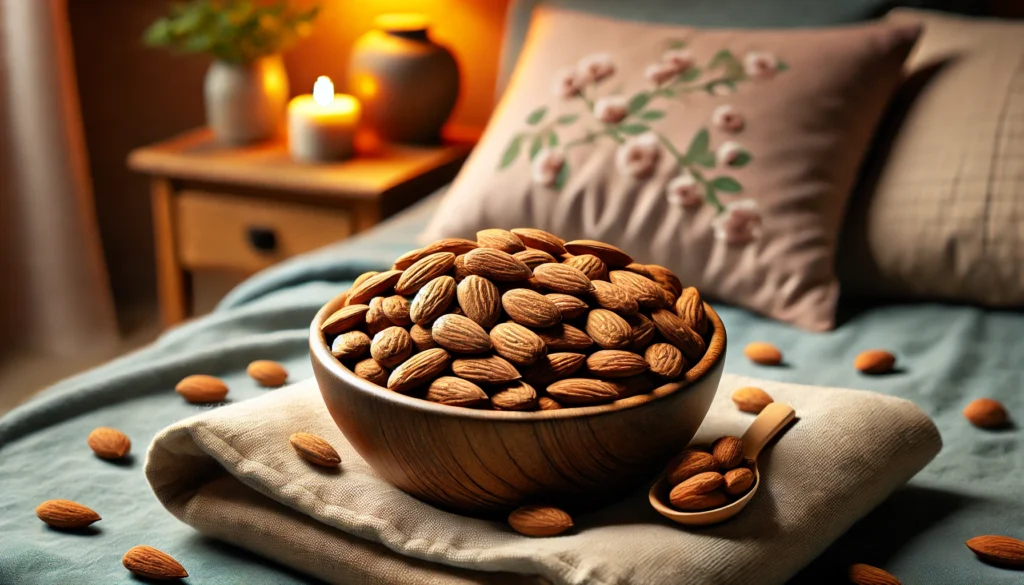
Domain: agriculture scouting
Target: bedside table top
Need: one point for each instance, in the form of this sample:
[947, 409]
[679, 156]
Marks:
[197, 156]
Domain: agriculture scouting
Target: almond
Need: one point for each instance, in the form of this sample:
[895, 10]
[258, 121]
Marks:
[314, 449]
[422, 339]
[541, 240]
[569, 306]
[548, 403]
[608, 329]
[376, 319]
[489, 370]
[516, 396]
[539, 521]
[370, 370]
[553, 367]
[763, 353]
[374, 286]
[391, 346]
[456, 246]
[609, 254]
[665, 360]
[874, 361]
[363, 278]
[690, 308]
[614, 298]
[690, 502]
[423, 271]
[267, 373]
[460, 334]
[986, 413]
[500, 239]
[751, 399]
[396, 309]
[418, 370]
[738, 481]
[701, 483]
[202, 389]
[517, 344]
[679, 334]
[688, 464]
[530, 308]
[562, 278]
[66, 514]
[640, 269]
[496, 265]
[590, 265]
[432, 300]
[644, 290]
[534, 258]
[150, 563]
[459, 270]
[344, 319]
[480, 300]
[633, 385]
[728, 452]
[582, 391]
[564, 337]
[643, 331]
[861, 574]
[109, 443]
[456, 392]
[1002, 551]
[615, 363]
[666, 279]
[351, 345]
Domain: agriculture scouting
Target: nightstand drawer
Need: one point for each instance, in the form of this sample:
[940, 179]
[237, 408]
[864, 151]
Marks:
[248, 233]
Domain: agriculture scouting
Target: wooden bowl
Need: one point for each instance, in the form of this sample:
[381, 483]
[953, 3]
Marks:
[486, 462]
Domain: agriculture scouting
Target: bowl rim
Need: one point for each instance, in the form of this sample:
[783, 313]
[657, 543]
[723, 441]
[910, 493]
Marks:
[320, 351]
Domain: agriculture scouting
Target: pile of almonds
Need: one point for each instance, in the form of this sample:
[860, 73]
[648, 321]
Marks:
[519, 320]
[707, 477]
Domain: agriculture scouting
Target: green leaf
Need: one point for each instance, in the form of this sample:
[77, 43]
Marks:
[552, 139]
[511, 152]
[562, 177]
[652, 115]
[727, 184]
[698, 145]
[536, 145]
[566, 119]
[726, 61]
[690, 74]
[782, 66]
[633, 129]
[676, 44]
[537, 115]
[637, 102]
[706, 160]
[720, 82]
[741, 160]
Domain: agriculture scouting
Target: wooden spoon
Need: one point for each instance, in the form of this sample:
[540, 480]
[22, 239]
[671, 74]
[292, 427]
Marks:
[772, 419]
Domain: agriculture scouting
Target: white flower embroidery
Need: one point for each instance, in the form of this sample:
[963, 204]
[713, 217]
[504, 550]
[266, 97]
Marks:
[740, 223]
[685, 191]
[611, 109]
[728, 152]
[596, 67]
[660, 73]
[638, 156]
[546, 166]
[679, 59]
[567, 83]
[728, 118]
[760, 64]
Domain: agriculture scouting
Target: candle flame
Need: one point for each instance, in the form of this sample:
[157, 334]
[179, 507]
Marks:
[323, 90]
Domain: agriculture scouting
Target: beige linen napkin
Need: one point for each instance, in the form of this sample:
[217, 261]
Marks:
[231, 474]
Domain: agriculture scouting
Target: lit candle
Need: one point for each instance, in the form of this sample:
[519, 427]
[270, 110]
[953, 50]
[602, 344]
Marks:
[322, 126]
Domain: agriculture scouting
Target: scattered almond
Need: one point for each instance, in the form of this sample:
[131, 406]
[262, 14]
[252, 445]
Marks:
[500, 239]
[109, 443]
[665, 360]
[391, 347]
[496, 265]
[738, 481]
[541, 240]
[1001, 551]
[751, 399]
[615, 363]
[515, 396]
[688, 464]
[370, 370]
[728, 452]
[351, 345]
[874, 361]
[590, 265]
[569, 306]
[373, 286]
[418, 370]
[150, 563]
[582, 391]
[763, 353]
[517, 344]
[530, 308]
[986, 413]
[608, 329]
[608, 253]
[314, 449]
[344, 319]
[456, 392]
[66, 514]
[202, 389]
[432, 300]
[861, 574]
[423, 271]
[267, 373]
[488, 370]
[539, 521]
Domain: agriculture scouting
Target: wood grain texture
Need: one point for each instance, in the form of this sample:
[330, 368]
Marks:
[173, 282]
[489, 462]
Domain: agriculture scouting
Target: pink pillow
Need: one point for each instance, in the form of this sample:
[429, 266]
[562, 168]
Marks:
[725, 155]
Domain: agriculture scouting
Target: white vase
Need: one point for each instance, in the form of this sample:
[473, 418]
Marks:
[245, 102]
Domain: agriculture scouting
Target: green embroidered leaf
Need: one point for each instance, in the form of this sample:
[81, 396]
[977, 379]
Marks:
[720, 83]
[637, 102]
[782, 66]
[567, 119]
[537, 115]
[552, 139]
[741, 160]
[633, 129]
[536, 145]
[728, 63]
[676, 44]
[706, 160]
[698, 145]
[652, 115]
[511, 152]
[727, 184]
[562, 177]
[690, 74]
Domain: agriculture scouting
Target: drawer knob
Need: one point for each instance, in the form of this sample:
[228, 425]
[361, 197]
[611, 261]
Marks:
[263, 239]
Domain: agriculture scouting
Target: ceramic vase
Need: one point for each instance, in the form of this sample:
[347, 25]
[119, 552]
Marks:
[245, 102]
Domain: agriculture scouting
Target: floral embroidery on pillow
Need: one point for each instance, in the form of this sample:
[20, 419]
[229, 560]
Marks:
[628, 122]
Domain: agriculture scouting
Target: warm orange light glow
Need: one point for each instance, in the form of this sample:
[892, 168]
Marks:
[323, 90]
[342, 109]
[365, 87]
[402, 22]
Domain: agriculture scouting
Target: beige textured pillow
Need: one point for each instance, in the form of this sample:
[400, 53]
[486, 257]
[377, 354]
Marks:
[726, 155]
[942, 212]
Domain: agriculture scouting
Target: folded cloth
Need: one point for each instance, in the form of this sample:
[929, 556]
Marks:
[231, 474]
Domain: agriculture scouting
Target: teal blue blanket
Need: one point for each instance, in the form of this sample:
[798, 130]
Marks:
[947, 356]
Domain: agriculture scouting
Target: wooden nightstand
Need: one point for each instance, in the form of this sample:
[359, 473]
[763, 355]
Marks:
[243, 209]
